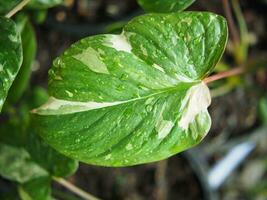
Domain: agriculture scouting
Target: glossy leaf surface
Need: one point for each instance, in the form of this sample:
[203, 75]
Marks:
[10, 56]
[165, 6]
[118, 100]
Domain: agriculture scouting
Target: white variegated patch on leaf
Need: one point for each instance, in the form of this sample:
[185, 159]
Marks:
[137, 97]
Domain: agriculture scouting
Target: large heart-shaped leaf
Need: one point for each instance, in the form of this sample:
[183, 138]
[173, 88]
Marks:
[10, 56]
[118, 100]
[165, 6]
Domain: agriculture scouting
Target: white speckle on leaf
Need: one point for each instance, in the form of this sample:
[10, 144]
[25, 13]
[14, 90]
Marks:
[174, 40]
[183, 78]
[13, 37]
[70, 94]
[129, 147]
[164, 128]
[172, 5]
[187, 20]
[107, 157]
[91, 58]
[197, 100]
[59, 78]
[158, 67]
[149, 100]
[119, 42]
[10, 75]
[143, 49]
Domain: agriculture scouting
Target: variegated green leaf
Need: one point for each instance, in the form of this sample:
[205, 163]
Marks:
[29, 50]
[10, 56]
[137, 97]
[165, 6]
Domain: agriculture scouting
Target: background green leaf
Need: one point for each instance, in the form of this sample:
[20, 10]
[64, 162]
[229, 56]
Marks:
[29, 47]
[30, 161]
[164, 6]
[7, 5]
[36, 189]
[118, 100]
[44, 4]
[16, 165]
[10, 56]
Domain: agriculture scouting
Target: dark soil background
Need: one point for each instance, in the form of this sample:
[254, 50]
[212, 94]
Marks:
[234, 114]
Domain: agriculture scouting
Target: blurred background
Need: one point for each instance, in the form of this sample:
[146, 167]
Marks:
[231, 162]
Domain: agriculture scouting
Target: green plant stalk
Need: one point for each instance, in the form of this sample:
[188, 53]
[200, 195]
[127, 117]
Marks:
[241, 50]
[75, 189]
[17, 8]
[232, 27]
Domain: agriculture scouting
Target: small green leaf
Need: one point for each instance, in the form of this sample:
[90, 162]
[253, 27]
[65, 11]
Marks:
[29, 50]
[36, 189]
[10, 56]
[118, 100]
[165, 6]
[16, 165]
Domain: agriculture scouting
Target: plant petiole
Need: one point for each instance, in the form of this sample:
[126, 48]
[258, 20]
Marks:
[233, 72]
[75, 189]
[17, 8]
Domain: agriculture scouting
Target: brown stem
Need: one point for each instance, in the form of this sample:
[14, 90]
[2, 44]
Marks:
[232, 72]
[229, 16]
[160, 176]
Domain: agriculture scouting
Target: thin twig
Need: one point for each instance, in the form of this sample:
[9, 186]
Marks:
[75, 189]
[233, 72]
[244, 43]
[17, 8]
[232, 27]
